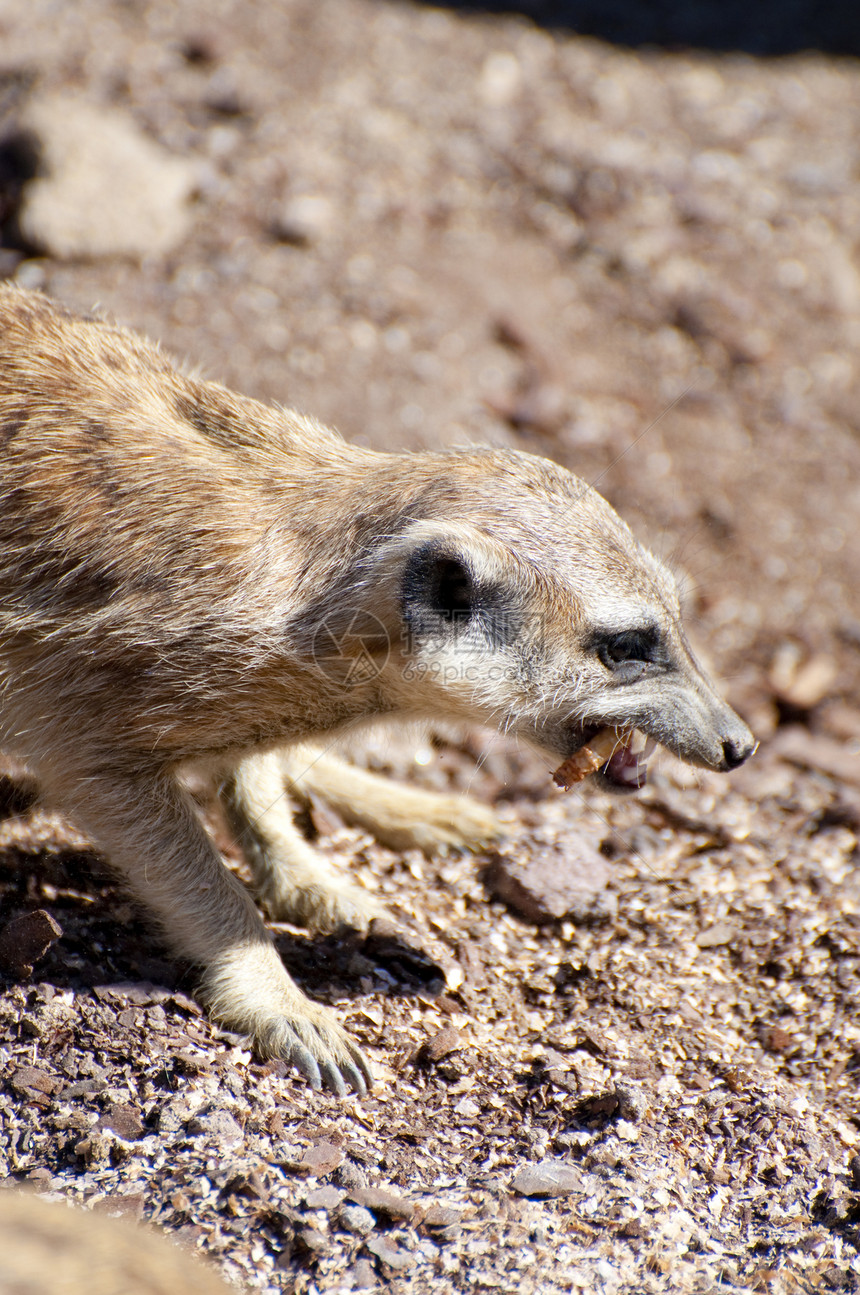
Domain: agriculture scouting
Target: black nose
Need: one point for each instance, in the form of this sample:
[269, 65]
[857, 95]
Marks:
[734, 752]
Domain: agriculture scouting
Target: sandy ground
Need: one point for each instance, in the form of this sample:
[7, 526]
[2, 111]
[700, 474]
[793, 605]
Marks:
[427, 227]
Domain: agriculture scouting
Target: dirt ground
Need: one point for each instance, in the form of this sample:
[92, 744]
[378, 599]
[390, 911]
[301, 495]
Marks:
[427, 227]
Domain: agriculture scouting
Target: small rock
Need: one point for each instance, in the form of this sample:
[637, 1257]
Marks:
[25, 939]
[548, 1178]
[442, 1044]
[103, 187]
[312, 1241]
[363, 1275]
[713, 936]
[217, 1125]
[31, 274]
[29, 1081]
[323, 1198]
[349, 1175]
[801, 684]
[84, 1088]
[441, 1218]
[355, 1218]
[389, 1254]
[552, 881]
[382, 1202]
[320, 1158]
[632, 1102]
[124, 1121]
[303, 219]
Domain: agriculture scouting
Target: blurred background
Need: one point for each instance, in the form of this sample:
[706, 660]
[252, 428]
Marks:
[429, 225]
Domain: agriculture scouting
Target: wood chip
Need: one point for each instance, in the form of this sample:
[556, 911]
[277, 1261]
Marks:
[25, 939]
[442, 1044]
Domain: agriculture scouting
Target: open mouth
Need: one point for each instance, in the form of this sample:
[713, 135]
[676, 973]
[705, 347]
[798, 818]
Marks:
[619, 758]
[627, 767]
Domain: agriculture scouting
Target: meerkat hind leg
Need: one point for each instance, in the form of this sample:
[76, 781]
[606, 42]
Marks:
[295, 882]
[398, 816]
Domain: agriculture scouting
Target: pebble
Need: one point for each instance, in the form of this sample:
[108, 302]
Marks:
[363, 1275]
[218, 1126]
[323, 1198]
[126, 1123]
[553, 881]
[321, 1158]
[349, 1175]
[442, 1044]
[547, 1178]
[103, 187]
[355, 1218]
[303, 219]
[25, 939]
[312, 1240]
[391, 1255]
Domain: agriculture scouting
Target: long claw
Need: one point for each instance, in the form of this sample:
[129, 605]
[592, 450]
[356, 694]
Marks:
[306, 1064]
[332, 1078]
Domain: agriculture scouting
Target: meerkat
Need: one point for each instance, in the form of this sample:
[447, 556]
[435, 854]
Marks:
[49, 1246]
[191, 578]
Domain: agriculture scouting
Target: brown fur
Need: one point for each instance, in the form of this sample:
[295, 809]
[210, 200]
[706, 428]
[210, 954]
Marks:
[46, 1246]
[170, 555]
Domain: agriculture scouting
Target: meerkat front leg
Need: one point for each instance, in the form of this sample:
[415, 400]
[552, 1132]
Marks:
[150, 832]
[292, 879]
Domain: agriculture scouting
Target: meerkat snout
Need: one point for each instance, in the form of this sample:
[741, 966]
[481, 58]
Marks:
[188, 576]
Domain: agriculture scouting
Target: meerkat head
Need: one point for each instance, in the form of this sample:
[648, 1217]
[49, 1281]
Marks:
[527, 603]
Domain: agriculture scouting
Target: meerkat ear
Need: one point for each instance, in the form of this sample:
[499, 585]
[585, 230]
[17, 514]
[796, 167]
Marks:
[438, 582]
[455, 583]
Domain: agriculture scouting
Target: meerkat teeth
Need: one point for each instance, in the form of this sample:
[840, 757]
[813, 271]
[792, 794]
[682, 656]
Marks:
[588, 759]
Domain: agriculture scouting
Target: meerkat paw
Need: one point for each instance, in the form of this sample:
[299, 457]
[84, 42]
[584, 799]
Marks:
[293, 881]
[319, 1049]
[323, 904]
[248, 990]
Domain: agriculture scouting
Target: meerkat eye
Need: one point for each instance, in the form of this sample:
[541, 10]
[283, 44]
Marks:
[637, 646]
